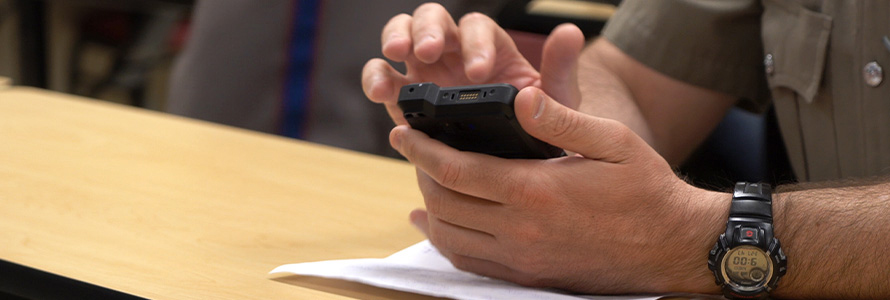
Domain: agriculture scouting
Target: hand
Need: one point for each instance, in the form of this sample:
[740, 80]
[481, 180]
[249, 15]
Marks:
[612, 219]
[435, 49]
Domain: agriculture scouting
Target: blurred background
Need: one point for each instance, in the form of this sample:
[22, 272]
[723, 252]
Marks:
[119, 51]
[289, 67]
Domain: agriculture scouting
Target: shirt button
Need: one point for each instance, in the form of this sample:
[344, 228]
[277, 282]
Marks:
[769, 64]
[873, 74]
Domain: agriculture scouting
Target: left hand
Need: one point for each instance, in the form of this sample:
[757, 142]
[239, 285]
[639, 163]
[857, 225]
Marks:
[474, 51]
[612, 219]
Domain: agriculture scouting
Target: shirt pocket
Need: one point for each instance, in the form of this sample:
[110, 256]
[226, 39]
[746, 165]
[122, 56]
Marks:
[795, 41]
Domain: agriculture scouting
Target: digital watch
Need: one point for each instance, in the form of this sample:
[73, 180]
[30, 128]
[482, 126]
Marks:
[747, 260]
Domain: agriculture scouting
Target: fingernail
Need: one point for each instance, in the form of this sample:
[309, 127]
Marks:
[541, 104]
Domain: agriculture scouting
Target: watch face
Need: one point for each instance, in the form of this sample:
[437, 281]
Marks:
[747, 266]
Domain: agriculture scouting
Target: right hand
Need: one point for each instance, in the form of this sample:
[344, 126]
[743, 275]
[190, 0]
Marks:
[475, 51]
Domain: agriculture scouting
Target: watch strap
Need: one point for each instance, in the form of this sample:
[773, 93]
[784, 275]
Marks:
[750, 215]
[752, 201]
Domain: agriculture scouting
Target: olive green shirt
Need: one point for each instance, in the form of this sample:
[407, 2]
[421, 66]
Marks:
[817, 61]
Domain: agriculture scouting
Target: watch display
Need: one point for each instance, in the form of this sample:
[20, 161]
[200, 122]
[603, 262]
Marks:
[747, 266]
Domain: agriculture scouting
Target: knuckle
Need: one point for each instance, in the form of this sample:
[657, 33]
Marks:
[530, 193]
[450, 173]
[525, 259]
[372, 75]
[460, 262]
[475, 45]
[429, 7]
[620, 132]
[529, 264]
[435, 204]
[373, 67]
[445, 241]
[397, 22]
[428, 19]
[523, 194]
[564, 125]
[368, 74]
[473, 17]
[529, 236]
[407, 148]
[401, 17]
[622, 136]
[437, 238]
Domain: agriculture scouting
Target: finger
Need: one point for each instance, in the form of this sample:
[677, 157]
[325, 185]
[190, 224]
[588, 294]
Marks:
[462, 240]
[483, 267]
[595, 138]
[460, 209]
[470, 173]
[433, 32]
[477, 40]
[381, 82]
[396, 113]
[486, 268]
[419, 218]
[449, 238]
[559, 61]
[395, 40]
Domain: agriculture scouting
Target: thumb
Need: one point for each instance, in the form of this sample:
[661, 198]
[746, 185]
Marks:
[559, 62]
[592, 137]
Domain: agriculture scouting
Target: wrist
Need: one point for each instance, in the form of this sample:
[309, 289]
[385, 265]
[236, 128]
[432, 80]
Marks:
[704, 220]
[780, 228]
[715, 211]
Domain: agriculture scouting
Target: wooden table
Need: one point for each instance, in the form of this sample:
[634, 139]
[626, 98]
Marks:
[160, 206]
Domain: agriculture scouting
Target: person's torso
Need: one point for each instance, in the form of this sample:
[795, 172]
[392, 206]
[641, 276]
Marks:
[824, 62]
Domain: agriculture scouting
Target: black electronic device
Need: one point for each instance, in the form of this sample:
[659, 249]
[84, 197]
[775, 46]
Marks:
[747, 260]
[477, 118]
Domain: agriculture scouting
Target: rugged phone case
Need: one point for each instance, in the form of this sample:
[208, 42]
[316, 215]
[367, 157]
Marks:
[476, 118]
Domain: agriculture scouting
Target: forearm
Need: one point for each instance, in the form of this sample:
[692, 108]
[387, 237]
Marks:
[672, 116]
[836, 240]
[604, 94]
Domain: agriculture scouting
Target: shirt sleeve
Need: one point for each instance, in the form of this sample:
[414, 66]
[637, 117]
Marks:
[711, 44]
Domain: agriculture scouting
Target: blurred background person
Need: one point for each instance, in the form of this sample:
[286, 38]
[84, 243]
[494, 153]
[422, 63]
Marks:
[290, 67]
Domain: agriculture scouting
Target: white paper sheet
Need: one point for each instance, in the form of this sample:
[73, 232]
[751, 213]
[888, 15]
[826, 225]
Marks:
[423, 270]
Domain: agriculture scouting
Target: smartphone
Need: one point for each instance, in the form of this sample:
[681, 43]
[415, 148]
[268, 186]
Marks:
[477, 118]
